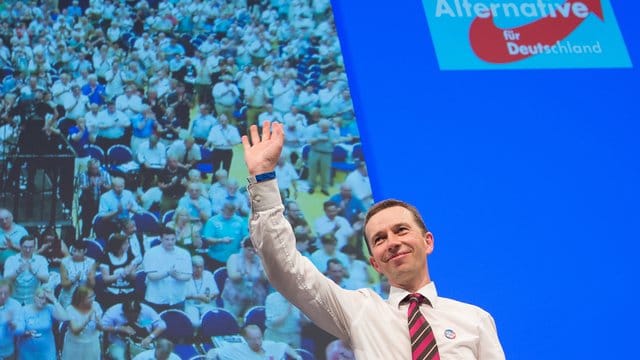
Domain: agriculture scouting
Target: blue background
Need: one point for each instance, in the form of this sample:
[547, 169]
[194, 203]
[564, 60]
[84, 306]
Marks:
[529, 179]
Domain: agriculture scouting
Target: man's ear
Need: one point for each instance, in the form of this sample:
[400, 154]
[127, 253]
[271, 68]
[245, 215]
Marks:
[374, 263]
[428, 238]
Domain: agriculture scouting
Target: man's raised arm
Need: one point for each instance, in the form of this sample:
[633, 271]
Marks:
[293, 275]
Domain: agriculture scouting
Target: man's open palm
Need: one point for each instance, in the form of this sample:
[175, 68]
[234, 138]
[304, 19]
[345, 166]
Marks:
[262, 153]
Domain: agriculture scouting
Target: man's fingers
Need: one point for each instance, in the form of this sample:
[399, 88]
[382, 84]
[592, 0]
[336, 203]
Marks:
[266, 130]
[278, 132]
[255, 138]
[245, 143]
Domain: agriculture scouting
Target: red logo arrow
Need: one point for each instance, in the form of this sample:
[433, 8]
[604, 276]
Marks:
[489, 42]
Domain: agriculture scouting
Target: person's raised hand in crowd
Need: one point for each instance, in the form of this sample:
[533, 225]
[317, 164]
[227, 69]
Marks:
[261, 152]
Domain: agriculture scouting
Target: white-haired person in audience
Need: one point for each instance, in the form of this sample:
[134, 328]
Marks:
[162, 351]
[187, 230]
[283, 321]
[198, 205]
[10, 235]
[253, 348]
[201, 291]
[118, 203]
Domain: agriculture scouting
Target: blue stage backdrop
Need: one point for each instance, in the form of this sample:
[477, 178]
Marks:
[529, 178]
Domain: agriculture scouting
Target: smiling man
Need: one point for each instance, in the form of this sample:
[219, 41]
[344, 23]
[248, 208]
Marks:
[413, 323]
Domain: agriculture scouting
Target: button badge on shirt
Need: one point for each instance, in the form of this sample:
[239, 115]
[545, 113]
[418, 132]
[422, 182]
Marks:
[450, 334]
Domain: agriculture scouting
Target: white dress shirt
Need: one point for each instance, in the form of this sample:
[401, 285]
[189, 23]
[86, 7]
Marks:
[373, 327]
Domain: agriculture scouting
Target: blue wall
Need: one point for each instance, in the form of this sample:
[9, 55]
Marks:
[530, 180]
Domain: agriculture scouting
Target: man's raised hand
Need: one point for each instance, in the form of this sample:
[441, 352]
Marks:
[261, 154]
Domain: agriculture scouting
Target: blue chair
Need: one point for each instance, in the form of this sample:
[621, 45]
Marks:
[154, 242]
[147, 223]
[205, 165]
[180, 332]
[64, 124]
[94, 250]
[255, 316]
[305, 354]
[119, 154]
[140, 285]
[103, 227]
[95, 152]
[340, 161]
[100, 289]
[357, 153]
[168, 216]
[220, 276]
[217, 322]
[305, 152]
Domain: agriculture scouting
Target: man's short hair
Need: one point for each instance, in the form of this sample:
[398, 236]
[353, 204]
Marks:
[328, 239]
[389, 203]
[328, 203]
[165, 230]
[26, 238]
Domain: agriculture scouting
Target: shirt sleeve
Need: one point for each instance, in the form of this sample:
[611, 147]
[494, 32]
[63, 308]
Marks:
[294, 276]
[489, 347]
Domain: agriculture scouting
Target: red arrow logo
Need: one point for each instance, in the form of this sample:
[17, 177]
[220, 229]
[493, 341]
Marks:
[490, 42]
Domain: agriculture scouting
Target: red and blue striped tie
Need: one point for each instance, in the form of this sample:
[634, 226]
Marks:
[423, 343]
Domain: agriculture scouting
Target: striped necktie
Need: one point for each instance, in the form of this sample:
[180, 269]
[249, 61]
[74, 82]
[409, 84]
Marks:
[423, 342]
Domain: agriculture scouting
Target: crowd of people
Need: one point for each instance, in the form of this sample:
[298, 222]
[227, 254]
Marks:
[175, 84]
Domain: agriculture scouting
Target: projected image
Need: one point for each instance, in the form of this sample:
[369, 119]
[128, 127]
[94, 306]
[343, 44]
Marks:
[123, 206]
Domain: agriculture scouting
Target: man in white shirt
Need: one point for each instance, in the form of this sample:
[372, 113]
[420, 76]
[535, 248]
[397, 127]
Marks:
[27, 270]
[112, 125]
[225, 94]
[75, 104]
[162, 351]
[269, 115]
[222, 138]
[254, 348]
[168, 269]
[10, 235]
[332, 223]
[130, 103]
[152, 157]
[399, 244]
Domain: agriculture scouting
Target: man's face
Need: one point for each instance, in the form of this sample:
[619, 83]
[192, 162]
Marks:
[26, 249]
[399, 246]
[118, 187]
[331, 211]
[294, 211]
[335, 272]
[168, 241]
[254, 339]
[197, 270]
[131, 228]
[6, 220]
[77, 254]
[194, 192]
[228, 211]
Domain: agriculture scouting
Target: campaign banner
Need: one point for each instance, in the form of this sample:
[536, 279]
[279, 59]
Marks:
[525, 34]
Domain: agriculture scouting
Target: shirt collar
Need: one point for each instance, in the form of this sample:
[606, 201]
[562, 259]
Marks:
[396, 295]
